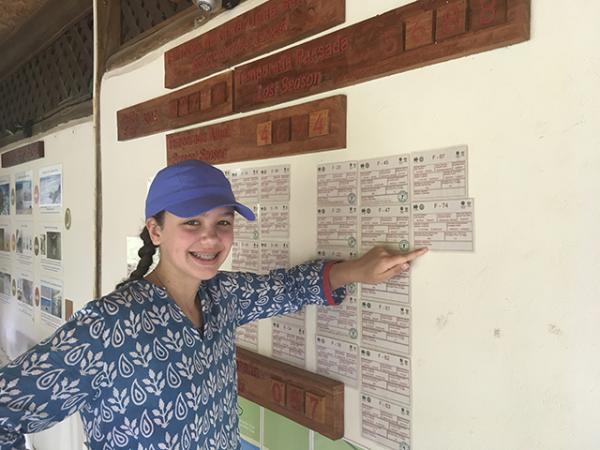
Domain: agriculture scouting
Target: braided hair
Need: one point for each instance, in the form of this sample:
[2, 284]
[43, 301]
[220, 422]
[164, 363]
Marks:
[146, 253]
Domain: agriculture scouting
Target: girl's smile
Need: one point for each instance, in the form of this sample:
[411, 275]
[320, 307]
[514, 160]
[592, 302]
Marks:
[193, 247]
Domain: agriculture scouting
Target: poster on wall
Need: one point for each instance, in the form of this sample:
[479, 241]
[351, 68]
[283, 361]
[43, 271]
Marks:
[50, 248]
[5, 284]
[24, 193]
[25, 293]
[5, 237]
[24, 243]
[51, 302]
[5, 195]
[50, 189]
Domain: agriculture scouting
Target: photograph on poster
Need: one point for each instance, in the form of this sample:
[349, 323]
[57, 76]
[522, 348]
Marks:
[24, 244]
[5, 284]
[51, 188]
[53, 245]
[23, 196]
[4, 199]
[4, 239]
[25, 291]
[51, 301]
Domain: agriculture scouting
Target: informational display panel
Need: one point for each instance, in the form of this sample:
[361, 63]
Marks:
[359, 204]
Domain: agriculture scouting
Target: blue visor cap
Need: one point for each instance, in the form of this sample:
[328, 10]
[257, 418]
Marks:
[190, 188]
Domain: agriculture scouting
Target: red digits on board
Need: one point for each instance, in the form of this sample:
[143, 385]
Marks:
[488, 11]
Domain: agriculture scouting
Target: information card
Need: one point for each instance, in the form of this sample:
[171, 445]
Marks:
[337, 184]
[385, 422]
[384, 181]
[444, 225]
[439, 174]
[337, 359]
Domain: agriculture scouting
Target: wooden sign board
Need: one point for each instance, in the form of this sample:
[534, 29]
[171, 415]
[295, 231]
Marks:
[315, 126]
[311, 400]
[23, 154]
[415, 35]
[200, 102]
[269, 26]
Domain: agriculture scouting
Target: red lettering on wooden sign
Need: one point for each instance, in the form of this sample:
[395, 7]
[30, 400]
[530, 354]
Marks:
[264, 133]
[278, 392]
[399, 40]
[270, 25]
[315, 407]
[202, 101]
[487, 13]
[318, 123]
[451, 20]
[295, 398]
[419, 30]
[276, 133]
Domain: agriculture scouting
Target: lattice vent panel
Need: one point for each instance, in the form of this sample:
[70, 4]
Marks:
[58, 76]
[138, 16]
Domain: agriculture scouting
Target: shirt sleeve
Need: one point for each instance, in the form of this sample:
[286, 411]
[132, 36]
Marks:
[52, 380]
[281, 291]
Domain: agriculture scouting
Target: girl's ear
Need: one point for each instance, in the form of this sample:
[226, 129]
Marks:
[154, 230]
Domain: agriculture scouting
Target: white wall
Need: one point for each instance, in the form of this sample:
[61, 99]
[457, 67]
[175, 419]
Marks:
[72, 146]
[504, 339]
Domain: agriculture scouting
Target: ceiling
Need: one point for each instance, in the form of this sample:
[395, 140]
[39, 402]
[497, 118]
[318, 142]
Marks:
[14, 15]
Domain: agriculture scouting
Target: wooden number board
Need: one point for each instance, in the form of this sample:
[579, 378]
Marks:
[415, 35]
[309, 127]
[312, 400]
[200, 102]
[271, 25]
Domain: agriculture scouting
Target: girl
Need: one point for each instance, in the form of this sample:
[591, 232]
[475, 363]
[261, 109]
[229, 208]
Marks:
[152, 364]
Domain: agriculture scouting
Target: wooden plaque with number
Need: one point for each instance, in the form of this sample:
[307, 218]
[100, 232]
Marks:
[267, 27]
[309, 399]
[200, 102]
[309, 127]
[421, 33]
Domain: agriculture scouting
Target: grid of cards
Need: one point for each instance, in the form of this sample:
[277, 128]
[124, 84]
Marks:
[401, 202]
[263, 245]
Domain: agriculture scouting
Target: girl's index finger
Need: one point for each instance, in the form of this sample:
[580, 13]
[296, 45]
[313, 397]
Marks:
[410, 256]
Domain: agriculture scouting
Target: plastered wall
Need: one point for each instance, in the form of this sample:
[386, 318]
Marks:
[72, 147]
[504, 340]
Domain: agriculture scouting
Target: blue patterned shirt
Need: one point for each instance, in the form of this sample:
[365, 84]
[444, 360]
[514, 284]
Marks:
[139, 372]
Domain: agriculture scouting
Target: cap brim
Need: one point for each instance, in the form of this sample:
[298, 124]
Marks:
[194, 207]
